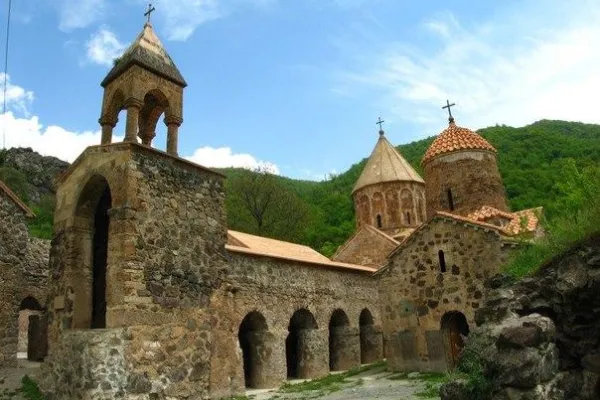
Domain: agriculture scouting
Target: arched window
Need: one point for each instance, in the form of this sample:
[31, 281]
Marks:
[450, 200]
[408, 218]
[442, 261]
[379, 221]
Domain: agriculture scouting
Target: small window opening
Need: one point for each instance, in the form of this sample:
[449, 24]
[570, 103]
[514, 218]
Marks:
[442, 261]
[450, 200]
[378, 221]
[408, 218]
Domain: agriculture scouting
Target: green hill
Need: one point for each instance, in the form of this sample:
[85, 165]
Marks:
[531, 160]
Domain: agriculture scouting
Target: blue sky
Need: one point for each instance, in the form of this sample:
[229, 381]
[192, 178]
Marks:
[299, 84]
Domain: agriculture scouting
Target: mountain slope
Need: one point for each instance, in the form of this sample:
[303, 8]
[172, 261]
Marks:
[531, 161]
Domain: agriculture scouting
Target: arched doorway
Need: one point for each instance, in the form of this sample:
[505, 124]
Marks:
[338, 330]
[301, 330]
[252, 336]
[31, 342]
[100, 254]
[370, 340]
[91, 242]
[454, 328]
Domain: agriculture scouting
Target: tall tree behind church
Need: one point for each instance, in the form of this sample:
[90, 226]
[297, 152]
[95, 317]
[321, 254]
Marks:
[259, 203]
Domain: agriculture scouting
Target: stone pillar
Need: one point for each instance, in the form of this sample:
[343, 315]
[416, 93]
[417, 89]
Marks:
[133, 113]
[371, 344]
[344, 348]
[107, 129]
[173, 122]
[312, 354]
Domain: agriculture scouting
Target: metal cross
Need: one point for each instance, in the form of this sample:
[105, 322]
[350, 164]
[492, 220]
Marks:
[147, 13]
[448, 105]
[380, 123]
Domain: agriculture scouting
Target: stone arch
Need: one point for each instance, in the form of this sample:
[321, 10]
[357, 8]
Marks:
[370, 339]
[454, 328]
[155, 104]
[406, 199]
[364, 205]
[392, 206]
[339, 353]
[32, 340]
[299, 352]
[254, 340]
[115, 104]
[377, 206]
[90, 283]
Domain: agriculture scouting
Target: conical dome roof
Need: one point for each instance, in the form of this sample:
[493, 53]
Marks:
[386, 165]
[148, 52]
[455, 138]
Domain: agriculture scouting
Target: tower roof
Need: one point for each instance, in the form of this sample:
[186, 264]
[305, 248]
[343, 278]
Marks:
[455, 138]
[148, 52]
[386, 164]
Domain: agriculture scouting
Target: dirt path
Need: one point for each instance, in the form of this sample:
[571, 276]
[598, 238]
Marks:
[371, 384]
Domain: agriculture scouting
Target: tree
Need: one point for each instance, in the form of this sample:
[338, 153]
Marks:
[259, 203]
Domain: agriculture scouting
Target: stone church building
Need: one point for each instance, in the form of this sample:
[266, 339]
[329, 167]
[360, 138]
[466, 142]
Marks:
[148, 295]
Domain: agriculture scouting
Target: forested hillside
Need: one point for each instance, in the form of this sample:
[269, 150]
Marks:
[534, 160]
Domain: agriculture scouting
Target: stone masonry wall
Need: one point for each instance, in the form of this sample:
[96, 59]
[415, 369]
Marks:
[472, 176]
[367, 248]
[277, 289]
[13, 247]
[165, 258]
[391, 201]
[415, 294]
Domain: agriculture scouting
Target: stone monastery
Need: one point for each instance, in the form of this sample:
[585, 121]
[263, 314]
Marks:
[148, 295]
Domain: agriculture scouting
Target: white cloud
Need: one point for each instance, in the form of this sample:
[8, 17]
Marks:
[17, 98]
[509, 70]
[75, 14]
[103, 47]
[223, 157]
[47, 140]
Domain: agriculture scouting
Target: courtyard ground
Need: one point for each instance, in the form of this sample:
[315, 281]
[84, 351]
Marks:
[372, 382]
[369, 382]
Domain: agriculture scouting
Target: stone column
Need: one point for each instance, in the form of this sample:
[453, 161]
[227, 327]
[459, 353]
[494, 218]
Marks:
[107, 129]
[133, 113]
[173, 122]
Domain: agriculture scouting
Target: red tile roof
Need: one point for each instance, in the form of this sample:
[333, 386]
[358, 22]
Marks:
[455, 138]
[246, 243]
[524, 221]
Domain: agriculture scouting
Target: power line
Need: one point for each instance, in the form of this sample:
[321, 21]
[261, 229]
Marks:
[5, 75]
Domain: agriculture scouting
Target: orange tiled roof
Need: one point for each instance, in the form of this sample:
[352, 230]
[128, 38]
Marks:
[456, 138]
[261, 246]
[11, 195]
[523, 221]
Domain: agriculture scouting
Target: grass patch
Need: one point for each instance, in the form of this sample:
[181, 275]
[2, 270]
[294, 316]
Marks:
[30, 389]
[433, 381]
[332, 382]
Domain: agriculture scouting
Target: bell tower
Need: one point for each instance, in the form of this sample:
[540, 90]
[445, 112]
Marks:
[145, 82]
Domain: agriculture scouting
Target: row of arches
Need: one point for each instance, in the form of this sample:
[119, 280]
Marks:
[391, 208]
[256, 343]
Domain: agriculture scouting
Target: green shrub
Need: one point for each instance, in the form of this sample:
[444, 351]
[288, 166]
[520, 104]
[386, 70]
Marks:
[30, 389]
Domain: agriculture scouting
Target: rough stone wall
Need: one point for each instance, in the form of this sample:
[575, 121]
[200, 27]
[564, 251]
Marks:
[473, 178]
[543, 332]
[165, 258]
[391, 201]
[415, 294]
[13, 247]
[366, 248]
[277, 289]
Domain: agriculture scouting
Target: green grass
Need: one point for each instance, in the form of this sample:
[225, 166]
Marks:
[579, 221]
[30, 389]
[332, 382]
[432, 381]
